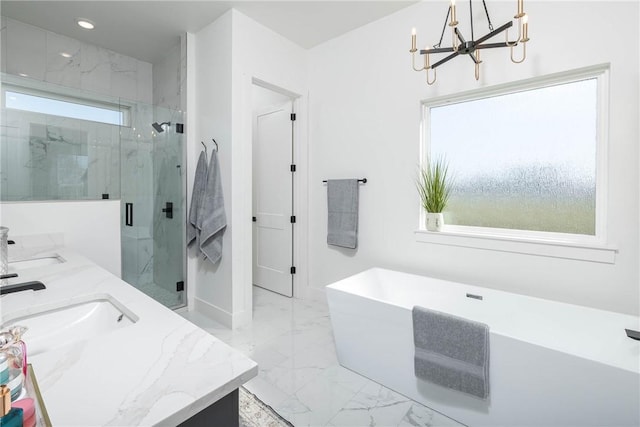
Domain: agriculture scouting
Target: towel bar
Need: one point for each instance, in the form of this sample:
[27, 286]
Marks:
[363, 180]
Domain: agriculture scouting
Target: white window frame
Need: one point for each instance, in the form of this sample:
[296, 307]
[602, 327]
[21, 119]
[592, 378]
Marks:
[560, 245]
[120, 108]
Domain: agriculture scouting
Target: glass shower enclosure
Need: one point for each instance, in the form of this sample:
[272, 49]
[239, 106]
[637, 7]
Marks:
[153, 199]
[59, 143]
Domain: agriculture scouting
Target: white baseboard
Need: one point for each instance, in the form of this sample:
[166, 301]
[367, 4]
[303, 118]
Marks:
[213, 312]
[242, 318]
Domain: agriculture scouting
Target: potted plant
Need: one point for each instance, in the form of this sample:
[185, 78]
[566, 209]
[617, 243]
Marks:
[434, 186]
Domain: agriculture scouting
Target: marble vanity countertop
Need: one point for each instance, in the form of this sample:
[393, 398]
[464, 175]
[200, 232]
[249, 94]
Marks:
[160, 370]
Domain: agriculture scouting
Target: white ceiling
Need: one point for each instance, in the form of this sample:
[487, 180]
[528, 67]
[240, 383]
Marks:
[145, 29]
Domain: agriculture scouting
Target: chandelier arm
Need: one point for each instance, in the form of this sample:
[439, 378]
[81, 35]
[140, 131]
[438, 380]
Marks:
[524, 54]
[473, 58]
[492, 45]
[494, 32]
[459, 34]
[438, 50]
[442, 61]
[513, 43]
[413, 63]
[431, 81]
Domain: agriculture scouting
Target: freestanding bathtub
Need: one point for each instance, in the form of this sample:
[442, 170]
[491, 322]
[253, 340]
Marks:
[551, 364]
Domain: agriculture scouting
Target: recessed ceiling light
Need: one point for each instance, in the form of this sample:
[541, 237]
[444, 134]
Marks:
[85, 23]
[66, 54]
[23, 75]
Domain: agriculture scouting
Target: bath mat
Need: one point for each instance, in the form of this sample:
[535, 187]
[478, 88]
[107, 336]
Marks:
[255, 413]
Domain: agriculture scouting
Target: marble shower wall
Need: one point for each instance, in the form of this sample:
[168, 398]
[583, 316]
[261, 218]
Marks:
[169, 75]
[36, 52]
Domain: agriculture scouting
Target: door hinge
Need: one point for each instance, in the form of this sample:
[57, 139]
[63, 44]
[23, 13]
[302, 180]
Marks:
[293, 117]
[293, 270]
[293, 168]
[180, 286]
[293, 219]
[254, 219]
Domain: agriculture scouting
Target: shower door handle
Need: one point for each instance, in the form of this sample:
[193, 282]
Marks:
[128, 214]
[168, 209]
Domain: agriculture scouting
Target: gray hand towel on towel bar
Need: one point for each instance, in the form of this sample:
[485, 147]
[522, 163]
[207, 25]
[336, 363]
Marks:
[199, 185]
[212, 219]
[342, 204]
[451, 351]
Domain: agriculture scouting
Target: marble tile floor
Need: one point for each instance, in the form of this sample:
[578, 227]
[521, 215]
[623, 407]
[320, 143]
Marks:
[299, 374]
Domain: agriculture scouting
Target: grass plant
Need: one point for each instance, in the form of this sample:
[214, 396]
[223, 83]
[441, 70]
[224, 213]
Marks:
[435, 185]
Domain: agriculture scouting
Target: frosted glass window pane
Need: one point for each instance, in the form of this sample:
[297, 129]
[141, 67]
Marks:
[524, 160]
[56, 107]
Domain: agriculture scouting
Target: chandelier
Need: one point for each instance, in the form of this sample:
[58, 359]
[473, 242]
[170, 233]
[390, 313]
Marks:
[461, 46]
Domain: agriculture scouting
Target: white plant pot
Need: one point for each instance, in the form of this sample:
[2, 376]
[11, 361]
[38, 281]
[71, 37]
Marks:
[434, 221]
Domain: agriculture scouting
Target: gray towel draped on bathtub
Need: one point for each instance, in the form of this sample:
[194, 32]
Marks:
[451, 351]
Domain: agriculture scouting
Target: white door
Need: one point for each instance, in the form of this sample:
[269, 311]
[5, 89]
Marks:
[273, 199]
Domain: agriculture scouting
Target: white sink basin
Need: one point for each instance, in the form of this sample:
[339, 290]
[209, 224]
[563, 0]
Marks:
[58, 327]
[35, 262]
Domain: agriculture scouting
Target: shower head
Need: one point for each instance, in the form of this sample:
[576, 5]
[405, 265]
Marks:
[158, 127]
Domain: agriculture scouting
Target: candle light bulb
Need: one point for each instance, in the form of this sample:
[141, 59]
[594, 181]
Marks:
[413, 40]
[525, 28]
[454, 20]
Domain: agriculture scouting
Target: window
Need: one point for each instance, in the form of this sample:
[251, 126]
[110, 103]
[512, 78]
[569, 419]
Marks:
[528, 158]
[46, 103]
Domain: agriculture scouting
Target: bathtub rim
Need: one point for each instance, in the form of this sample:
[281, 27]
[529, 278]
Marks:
[629, 363]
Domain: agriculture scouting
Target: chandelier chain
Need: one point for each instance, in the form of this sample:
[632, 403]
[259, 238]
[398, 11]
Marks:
[486, 11]
[444, 27]
[471, 17]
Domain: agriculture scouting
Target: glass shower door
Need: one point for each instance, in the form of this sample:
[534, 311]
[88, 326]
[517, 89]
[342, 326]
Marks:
[169, 208]
[153, 199]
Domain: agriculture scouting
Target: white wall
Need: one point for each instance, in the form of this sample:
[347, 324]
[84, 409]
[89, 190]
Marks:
[209, 98]
[91, 228]
[261, 97]
[261, 54]
[229, 54]
[364, 122]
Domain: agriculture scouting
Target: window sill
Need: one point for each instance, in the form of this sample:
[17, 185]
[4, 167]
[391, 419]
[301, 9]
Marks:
[528, 246]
